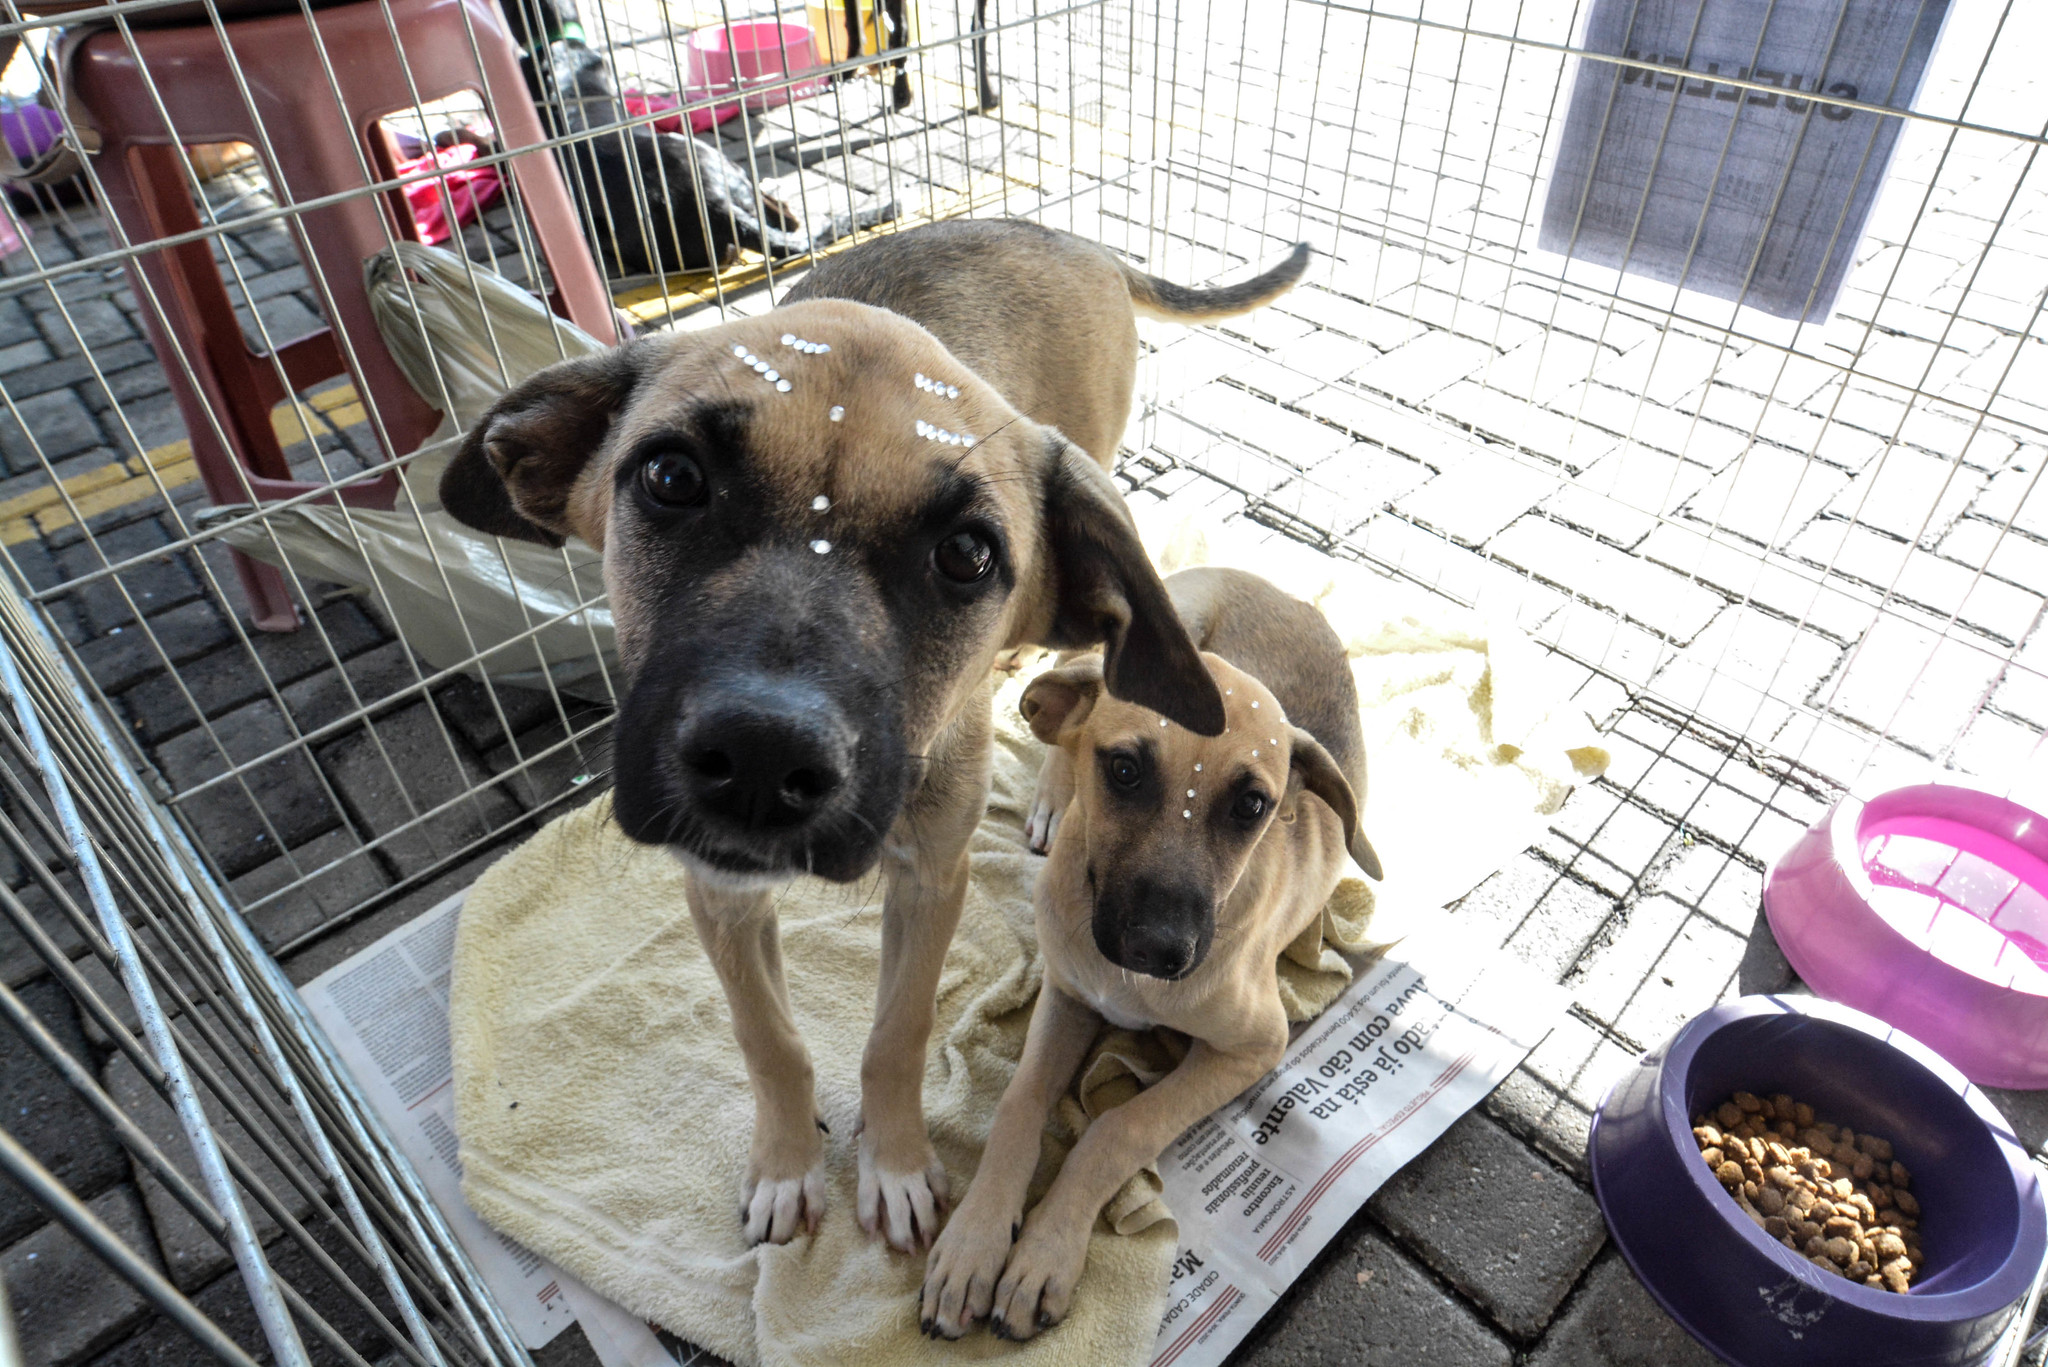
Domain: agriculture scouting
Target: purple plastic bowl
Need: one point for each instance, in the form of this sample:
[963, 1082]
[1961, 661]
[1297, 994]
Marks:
[1928, 907]
[1746, 1296]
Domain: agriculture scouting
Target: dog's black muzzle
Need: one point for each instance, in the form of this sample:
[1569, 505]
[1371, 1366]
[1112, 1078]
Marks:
[1161, 930]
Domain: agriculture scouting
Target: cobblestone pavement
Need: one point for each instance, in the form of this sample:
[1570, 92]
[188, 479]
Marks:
[1773, 572]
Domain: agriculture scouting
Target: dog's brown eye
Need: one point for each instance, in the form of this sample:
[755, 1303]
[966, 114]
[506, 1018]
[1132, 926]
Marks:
[964, 557]
[673, 480]
[1123, 771]
[1249, 806]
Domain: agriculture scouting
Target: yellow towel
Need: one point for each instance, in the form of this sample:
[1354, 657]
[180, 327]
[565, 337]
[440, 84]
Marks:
[604, 1111]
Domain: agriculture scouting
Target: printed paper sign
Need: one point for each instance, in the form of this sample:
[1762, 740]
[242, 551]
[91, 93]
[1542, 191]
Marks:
[1668, 170]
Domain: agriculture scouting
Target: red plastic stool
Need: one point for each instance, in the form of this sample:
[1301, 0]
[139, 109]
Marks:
[316, 148]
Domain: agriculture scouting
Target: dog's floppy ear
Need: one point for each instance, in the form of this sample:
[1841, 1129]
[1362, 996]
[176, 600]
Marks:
[516, 467]
[1106, 591]
[1321, 776]
[1062, 698]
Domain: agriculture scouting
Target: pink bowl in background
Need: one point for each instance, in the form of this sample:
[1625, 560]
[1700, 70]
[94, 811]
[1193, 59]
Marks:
[1927, 907]
[736, 58]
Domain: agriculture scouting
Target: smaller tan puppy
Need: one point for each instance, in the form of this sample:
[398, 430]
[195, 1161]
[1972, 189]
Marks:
[1180, 868]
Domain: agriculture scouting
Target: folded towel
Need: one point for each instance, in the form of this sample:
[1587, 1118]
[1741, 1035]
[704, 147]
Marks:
[604, 1111]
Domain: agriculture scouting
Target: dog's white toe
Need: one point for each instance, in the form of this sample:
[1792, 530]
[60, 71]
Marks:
[960, 1276]
[776, 1210]
[1037, 1285]
[903, 1207]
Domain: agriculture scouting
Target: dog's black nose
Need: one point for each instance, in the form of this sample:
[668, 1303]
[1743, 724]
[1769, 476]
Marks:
[1157, 951]
[766, 757]
[1160, 928]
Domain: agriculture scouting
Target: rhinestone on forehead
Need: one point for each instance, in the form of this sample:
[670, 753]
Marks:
[838, 413]
[796, 343]
[820, 504]
[821, 546]
[939, 434]
[762, 368]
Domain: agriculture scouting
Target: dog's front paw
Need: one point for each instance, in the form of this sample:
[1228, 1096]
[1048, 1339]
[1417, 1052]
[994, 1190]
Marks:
[960, 1276]
[902, 1191]
[776, 1209]
[784, 1194]
[1037, 1284]
[1055, 791]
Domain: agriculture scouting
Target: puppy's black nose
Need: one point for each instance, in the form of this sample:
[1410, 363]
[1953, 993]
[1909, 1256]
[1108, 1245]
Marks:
[765, 757]
[1157, 951]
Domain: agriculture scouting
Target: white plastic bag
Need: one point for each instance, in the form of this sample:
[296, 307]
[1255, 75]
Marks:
[515, 611]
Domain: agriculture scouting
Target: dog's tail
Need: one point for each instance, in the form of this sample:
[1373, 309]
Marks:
[1156, 298]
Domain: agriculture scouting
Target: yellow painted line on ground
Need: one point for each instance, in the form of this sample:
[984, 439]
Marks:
[119, 483]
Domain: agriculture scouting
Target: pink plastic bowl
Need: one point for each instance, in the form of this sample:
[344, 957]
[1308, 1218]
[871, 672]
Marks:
[1927, 907]
[736, 58]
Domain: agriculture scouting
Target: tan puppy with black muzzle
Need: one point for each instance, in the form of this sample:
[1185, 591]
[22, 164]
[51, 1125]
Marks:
[819, 528]
[1181, 867]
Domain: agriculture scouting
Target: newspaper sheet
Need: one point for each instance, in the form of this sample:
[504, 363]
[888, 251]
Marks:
[1756, 195]
[386, 1010]
[1258, 1187]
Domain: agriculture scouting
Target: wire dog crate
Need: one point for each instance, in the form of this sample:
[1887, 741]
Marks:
[1782, 559]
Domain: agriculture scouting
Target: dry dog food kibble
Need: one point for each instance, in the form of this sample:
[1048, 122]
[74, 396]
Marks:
[1837, 1197]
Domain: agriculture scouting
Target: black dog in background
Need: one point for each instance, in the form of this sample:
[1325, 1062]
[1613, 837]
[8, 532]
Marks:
[658, 202]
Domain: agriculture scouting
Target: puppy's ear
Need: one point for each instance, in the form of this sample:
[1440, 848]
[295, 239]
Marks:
[516, 467]
[1321, 776]
[1106, 592]
[1059, 700]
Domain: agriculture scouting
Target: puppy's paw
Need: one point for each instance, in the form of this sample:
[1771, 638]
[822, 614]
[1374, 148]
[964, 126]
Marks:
[777, 1209]
[1037, 1285]
[960, 1276]
[902, 1195]
[1055, 791]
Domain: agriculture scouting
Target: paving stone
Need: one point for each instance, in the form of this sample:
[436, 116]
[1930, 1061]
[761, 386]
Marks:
[1605, 642]
[68, 371]
[1363, 1304]
[1556, 433]
[1418, 369]
[2017, 495]
[61, 424]
[1437, 445]
[229, 678]
[310, 962]
[365, 777]
[226, 1302]
[46, 1116]
[551, 760]
[323, 697]
[473, 708]
[1495, 1221]
[1556, 928]
[2026, 1112]
[126, 656]
[23, 354]
[1905, 680]
[67, 1303]
[2012, 556]
[1612, 1322]
[1784, 587]
[1478, 497]
[1464, 575]
[1661, 965]
[225, 819]
[1745, 672]
[191, 1257]
[19, 962]
[1301, 442]
[326, 877]
[1910, 495]
[1623, 495]
[154, 585]
[90, 325]
[1767, 496]
[1662, 601]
